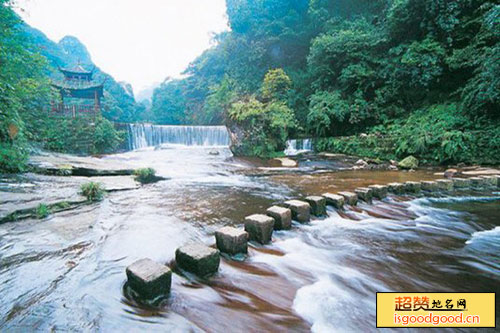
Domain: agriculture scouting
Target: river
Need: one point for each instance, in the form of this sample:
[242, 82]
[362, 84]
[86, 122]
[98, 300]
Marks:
[67, 272]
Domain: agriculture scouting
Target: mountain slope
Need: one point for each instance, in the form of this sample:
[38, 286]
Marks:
[118, 104]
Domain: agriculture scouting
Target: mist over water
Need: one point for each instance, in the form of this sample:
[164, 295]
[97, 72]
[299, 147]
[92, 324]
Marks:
[67, 272]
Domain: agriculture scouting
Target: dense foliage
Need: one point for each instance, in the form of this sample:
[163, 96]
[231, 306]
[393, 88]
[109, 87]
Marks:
[27, 62]
[424, 74]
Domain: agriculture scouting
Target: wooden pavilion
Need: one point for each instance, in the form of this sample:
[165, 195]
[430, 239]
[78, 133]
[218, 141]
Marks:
[78, 83]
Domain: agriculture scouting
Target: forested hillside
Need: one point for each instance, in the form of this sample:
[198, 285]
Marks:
[28, 61]
[421, 76]
[119, 100]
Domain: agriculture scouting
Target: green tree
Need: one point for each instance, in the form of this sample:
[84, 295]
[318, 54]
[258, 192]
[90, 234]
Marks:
[276, 85]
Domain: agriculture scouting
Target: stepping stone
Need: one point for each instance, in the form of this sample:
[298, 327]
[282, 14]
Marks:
[282, 217]
[365, 194]
[461, 182]
[334, 200]
[491, 180]
[349, 198]
[259, 227]
[396, 188]
[198, 259]
[379, 191]
[478, 182]
[413, 187]
[445, 184]
[231, 240]
[301, 210]
[429, 186]
[318, 205]
[149, 278]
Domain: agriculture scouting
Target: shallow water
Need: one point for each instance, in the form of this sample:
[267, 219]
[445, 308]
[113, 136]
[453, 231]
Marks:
[67, 272]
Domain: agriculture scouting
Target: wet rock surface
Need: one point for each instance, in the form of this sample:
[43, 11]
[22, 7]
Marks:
[66, 165]
[198, 259]
[149, 278]
[282, 217]
[260, 228]
[231, 240]
[301, 210]
[318, 205]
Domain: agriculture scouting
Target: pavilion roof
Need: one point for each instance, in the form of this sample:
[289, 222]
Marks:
[78, 69]
[79, 89]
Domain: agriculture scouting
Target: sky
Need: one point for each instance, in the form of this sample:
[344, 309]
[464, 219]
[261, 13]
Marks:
[140, 42]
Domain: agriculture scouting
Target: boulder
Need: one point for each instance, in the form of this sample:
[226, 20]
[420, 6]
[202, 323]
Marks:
[450, 173]
[364, 193]
[286, 162]
[149, 278]
[231, 240]
[392, 168]
[482, 172]
[361, 163]
[349, 198]
[396, 188]
[259, 227]
[461, 182]
[379, 191]
[301, 210]
[413, 187]
[318, 205]
[409, 162]
[282, 217]
[429, 186]
[445, 184]
[334, 200]
[213, 152]
[198, 259]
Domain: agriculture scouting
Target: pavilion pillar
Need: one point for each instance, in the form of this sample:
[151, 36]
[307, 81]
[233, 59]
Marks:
[97, 103]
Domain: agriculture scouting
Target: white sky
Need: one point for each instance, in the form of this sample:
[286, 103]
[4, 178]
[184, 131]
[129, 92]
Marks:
[140, 42]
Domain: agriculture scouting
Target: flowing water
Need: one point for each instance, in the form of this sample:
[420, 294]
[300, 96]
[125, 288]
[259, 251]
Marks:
[147, 135]
[297, 146]
[67, 272]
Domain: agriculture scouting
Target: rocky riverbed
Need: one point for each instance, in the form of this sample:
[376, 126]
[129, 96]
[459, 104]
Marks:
[67, 271]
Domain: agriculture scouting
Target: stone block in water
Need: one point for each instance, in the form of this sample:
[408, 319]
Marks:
[232, 240]
[429, 186]
[301, 210]
[364, 193]
[318, 205]
[259, 227]
[282, 217]
[445, 184]
[478, 182]
[350, 198]
[149, 278]
[491, 180]
[334, 200]
[396, 188]
[413, 187]
[379, 191]
[198, 259]
[461, 182]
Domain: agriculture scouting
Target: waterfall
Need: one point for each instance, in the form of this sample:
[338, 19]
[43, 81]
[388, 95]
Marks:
[294, 147]
[147, 135]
